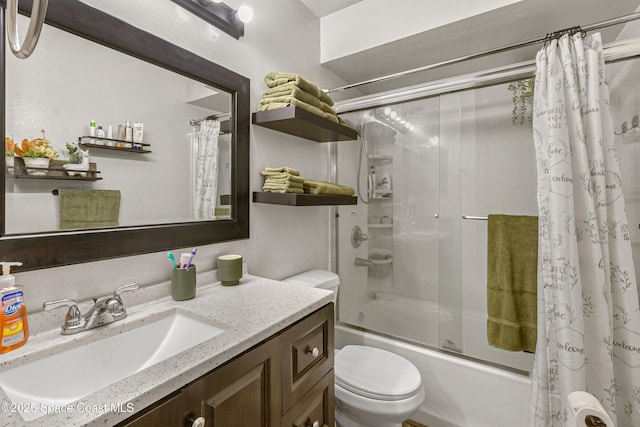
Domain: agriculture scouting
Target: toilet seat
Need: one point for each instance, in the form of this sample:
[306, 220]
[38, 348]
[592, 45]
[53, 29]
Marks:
[376, 374]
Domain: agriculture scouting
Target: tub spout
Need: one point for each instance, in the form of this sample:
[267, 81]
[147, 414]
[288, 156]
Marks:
[361, 262]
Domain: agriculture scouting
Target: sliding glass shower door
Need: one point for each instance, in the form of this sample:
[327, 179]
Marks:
[428, 173]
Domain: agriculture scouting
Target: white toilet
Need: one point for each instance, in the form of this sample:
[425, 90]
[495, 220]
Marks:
[373, 387]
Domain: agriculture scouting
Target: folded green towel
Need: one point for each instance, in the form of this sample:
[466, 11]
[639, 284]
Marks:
[281, 181]
[297, 103]
[282, 189]
[512, 267]
[283, 169]
[282, 176]
[89, 208]
[323, 187]
[282, 184]
[286, 92]
[279, 79]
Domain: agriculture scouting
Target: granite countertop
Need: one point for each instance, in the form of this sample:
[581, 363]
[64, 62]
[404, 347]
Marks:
[249, 313]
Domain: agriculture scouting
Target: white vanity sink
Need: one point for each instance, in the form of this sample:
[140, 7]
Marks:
[65, 377]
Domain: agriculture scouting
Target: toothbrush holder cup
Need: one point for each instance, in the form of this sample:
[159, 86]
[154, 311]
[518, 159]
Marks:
[183, 283]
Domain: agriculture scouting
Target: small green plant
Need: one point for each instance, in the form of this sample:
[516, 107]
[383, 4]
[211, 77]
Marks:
[522, 98]
[75, 154]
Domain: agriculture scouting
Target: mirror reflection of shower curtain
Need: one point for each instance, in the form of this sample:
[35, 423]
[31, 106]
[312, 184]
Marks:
[204, 143]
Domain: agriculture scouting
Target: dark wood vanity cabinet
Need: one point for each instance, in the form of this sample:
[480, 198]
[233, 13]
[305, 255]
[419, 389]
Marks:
[286, 381]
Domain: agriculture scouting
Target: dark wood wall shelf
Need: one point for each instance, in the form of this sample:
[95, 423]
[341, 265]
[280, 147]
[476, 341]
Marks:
[54, 171]
[292, 199]
[299, 122]
[84, 141]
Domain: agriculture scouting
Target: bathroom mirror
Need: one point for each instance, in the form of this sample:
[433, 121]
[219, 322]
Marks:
[90, 66]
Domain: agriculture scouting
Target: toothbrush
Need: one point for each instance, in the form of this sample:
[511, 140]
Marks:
[173, 260]
[193, 253]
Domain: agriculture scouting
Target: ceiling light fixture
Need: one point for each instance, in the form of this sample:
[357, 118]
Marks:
[244, 13]
[219, 14]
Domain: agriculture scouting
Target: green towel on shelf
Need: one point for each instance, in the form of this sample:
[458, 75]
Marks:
[282, 169]
[89, 208]
[284, 181]
[282, 176]
[274, 188]
[323, 187]
[512, 264]
[297, 103]
[278, 79]
[286, 92]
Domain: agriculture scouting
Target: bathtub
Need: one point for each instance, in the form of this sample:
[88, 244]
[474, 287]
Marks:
[459, 392]
[410, 318]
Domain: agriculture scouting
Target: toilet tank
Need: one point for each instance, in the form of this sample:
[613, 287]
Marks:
[322, 279]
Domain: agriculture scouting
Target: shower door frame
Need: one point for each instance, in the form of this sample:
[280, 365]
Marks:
[622, 50]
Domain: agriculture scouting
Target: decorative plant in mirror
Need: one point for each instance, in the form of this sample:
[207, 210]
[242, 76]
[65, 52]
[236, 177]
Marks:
[36, 153]
[78, 160]
[522, 98]
[9, 152]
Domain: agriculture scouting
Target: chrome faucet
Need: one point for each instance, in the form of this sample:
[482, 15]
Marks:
[104, 311]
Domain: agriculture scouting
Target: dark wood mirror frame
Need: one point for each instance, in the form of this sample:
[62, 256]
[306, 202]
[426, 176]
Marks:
[42, 250]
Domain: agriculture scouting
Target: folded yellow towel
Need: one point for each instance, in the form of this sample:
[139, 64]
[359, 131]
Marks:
[278, 79]
[286, 183]
[512, 267]
[282, 189]
[283, 169]
[283, 176]
[280, 181]
[286, 92]
[323, 187]
[297, 103]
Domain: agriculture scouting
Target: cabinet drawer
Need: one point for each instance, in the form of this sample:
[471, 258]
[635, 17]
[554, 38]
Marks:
[316, 408]
[168, 413]
[307, 355]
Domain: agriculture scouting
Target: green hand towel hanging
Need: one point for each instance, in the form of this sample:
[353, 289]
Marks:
[89, 208]
[512, 263]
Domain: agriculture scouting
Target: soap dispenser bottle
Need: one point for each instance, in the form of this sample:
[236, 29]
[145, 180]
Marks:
[15, 328]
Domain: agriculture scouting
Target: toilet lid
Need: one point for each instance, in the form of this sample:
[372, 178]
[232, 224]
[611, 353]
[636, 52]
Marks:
[375, 373]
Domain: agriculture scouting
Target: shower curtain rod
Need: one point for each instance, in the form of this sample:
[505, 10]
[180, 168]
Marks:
[592, 27]
[194, 122]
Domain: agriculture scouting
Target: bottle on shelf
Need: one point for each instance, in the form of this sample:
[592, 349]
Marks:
[92, 132]
[371, 182]
[100, 133]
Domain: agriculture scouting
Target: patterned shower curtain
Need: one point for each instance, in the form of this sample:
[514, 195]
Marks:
[205, 145]
[588, 314]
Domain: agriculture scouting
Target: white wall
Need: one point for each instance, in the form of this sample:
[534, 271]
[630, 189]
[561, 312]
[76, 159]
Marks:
[284, 36]
[349, 30]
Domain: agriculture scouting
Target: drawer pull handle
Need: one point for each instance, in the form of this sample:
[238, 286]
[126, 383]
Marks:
[199, 422]
[310, 424]
[314, 353]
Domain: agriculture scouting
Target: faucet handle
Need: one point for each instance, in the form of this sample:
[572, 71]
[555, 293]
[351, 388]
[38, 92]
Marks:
[126, 288]
[73, 318]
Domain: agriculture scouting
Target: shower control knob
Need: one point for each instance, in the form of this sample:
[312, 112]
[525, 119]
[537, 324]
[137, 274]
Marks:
[314, 352]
